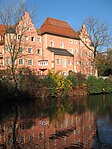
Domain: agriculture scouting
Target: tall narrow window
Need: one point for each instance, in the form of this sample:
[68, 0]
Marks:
[32, 38]
[64, 62]
[39, 39]
[29, 50]
[21, 61]
[61, 45]
[39, 51]
[52, 43]
[58, 61]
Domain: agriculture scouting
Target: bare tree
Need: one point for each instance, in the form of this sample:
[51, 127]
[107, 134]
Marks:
[13, 17]
[99, 35]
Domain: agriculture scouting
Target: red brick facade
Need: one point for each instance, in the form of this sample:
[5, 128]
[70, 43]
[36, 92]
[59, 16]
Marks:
[54, 46]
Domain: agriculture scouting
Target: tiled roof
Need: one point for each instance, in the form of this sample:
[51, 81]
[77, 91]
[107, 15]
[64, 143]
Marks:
[2, 29]
[58, 27]
[59, 51]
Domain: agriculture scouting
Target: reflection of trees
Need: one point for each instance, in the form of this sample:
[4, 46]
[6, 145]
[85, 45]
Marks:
[100, 104]
[53, 110]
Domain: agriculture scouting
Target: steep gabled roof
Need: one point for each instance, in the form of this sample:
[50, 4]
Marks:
[58, 27]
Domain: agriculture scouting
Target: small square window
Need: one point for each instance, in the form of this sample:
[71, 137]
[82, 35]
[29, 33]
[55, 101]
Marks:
[30, 62]
[26, 38]
[29, 50]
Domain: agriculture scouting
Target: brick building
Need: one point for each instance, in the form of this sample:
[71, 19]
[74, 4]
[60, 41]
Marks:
[55, 46]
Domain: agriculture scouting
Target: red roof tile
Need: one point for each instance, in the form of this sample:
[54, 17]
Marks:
[2, 29]
[58, 27]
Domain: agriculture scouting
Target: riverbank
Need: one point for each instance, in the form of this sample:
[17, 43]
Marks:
[32, 87]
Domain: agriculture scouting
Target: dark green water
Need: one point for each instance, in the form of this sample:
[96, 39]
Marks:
[77, 122]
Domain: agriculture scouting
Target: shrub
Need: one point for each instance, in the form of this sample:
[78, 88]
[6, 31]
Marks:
[98, 85]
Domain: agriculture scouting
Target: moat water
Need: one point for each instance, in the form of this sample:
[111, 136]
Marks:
[81, 122]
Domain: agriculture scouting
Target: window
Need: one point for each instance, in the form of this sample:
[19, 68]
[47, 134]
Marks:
[39, 39]
[26, 37]
[52, 43]
[30, 62]
[43, 63]
[19, 36]
[8, 61]
[22, 127]
[70, 41]
[61, 44]
[86, 53]
[21, 61]
[32, 38]
[22, 139]
[71, 50]
[75, 42]
[76, 62]
[20, 50]
[39, 51]
[31, 137]
[58, 61]
[64, 62]
[29, 50]
[69, 62]
[76, 51]
[87, 64]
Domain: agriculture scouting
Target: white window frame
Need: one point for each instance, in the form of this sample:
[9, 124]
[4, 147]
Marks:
[69, 62]
[26, 38]
[75, 41]
[30, 51]
[64, 62]
[38, 39]
[71, 41]
[31, 62]
[61, 44]
[58, 61]
[51, 43]
[19, 61]
[71, 50]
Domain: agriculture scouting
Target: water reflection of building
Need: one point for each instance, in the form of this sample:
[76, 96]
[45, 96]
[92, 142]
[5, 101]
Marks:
[72, 130]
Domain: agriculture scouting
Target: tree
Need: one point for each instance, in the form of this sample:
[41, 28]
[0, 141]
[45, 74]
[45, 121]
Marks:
[13, 17]
[104, 63]
[99, 35]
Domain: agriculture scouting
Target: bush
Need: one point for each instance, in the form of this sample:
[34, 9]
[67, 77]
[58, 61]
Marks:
[98, 85]
[80, 79]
